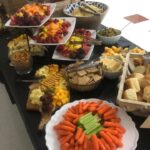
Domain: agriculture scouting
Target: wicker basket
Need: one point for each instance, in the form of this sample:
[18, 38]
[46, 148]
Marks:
[137, 107]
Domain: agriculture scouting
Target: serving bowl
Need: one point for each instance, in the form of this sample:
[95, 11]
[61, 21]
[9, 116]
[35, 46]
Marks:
[84, 80]
[112, 74]
[84, 88]
[89, 22]
[110, 70]
[111, 39]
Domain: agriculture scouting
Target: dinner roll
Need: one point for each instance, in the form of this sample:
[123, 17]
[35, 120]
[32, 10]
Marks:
[139, 76]
[130, 94]
[133, 83]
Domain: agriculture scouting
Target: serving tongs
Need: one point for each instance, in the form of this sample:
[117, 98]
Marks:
[90, 41]
[88, 9]
[88, 64]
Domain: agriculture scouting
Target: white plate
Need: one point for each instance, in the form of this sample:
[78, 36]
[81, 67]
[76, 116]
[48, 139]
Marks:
[72, 21]
[58, 56]
[52, 8]
[130, 137]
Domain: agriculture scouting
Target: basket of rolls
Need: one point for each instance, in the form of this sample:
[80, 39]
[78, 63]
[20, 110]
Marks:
[134, 87]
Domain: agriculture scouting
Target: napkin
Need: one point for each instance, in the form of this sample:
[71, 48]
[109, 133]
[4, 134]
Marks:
[146, 124]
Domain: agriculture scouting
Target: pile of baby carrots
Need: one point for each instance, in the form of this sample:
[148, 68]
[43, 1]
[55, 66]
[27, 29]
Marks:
[72, 137]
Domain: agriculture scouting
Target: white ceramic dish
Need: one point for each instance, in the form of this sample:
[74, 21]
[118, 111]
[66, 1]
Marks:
[72, 21]
[109, 40]
[130, 137]
[58, 56]
[52, 8]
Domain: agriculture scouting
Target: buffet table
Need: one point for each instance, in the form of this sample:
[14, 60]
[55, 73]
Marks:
[18, 93]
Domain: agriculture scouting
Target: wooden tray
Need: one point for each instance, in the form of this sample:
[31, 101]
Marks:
[137, 107]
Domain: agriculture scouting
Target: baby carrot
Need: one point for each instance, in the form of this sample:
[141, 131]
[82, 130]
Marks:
[90, 145]
[114, 132]
[62, 132]
[80, 108]
[104, 108]
[111, 124]
[86, 105]
[65, 146]
[107, 139]
[81, 139]
[76, 120]
[66, 138]
[95, 142]
[115, 120]
[66, 128]
[92, 109]
[71, 115]
[105, 144]
[115, 140]
[101, 145]
[72, 110]
[68, 118]
[85, 144]
[111, 111]
[72, 142]
[120, 129]
[93, 105]
[113, 116]
[67, 123]
[76, 147]
[78, 133]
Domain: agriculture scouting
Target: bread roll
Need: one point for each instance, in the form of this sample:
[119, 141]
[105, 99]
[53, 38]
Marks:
[146, 94]
[145, 81]
[133, 83]
[139, 76]
[130, 94]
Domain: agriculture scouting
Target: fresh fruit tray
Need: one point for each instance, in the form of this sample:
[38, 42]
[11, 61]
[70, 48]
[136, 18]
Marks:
[79, 50]
[91, 124]
[31, 15]
[54, 31]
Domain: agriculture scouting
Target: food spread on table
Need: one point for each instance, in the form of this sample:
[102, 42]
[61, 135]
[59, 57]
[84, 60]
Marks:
[30, 14]
[84, 11]
[21, 43]
[121, 52]
[86, 125]
[50, 93]
[137, 84]
[111, 64]
[53, 31]
[108, 32]
[90, 124]
[76, 50]
[86, 76]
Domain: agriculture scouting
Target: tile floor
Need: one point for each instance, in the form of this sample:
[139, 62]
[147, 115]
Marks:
[13, 134]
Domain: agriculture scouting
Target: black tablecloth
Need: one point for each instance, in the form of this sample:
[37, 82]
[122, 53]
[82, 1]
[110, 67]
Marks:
[18, 93]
